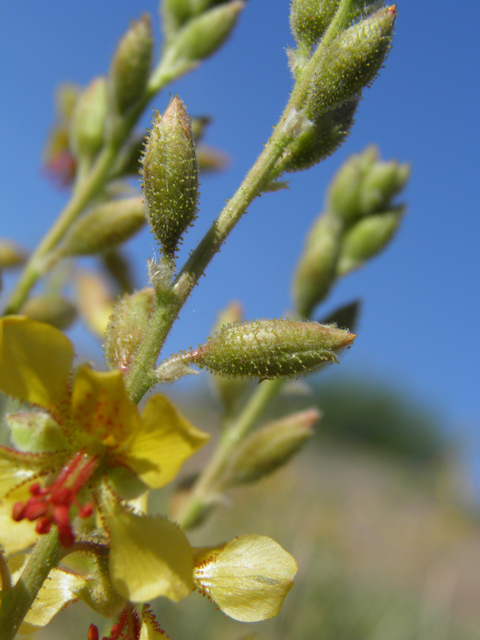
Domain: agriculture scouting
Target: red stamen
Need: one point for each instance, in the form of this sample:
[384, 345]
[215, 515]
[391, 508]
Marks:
[92, 633]
[18, 512]
[51, 505]
[43, 525]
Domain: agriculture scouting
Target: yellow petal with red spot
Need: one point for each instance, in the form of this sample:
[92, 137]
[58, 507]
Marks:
[163, 443]
[248, 578]
[149, 556]
[101, 407]
[35, 361]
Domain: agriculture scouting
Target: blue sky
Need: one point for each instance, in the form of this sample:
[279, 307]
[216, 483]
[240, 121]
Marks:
[420, 297]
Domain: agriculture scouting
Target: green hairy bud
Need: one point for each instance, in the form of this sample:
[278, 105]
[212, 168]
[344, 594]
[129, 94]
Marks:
[104, 227]
[170, 176]
[271, 447]
[269, 349]
[203, 35]
[131, 64]
[318, 141]
[350, 62]
[89, 118]
[367, 238]
[229, 390]
[127, 327]
[309, 19]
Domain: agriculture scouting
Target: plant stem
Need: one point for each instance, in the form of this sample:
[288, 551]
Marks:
[210, 479]
[80, 199]
[17, 601]
[85, 190]
[139, 379]
[5, 576]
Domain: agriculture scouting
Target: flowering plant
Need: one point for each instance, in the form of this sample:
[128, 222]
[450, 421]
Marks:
[81, 461]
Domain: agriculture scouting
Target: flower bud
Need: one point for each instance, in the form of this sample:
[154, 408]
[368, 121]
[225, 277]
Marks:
[170, 176]
[103, 227]
[119, 267]
[199, 126]
[364, 186]
[57, 156]
[11, 254]
[309, 19]
[319, 141]
[229, 390]
[95, 302]
[317, 267]
[203, 35]
[381, 184]
[350, 62]
[367, 238]
[211, 159]
[131, 64]
[174, 14]
[271, 446]
[88, 120]
[51, 308]
[343, 198]
[269, 349]
[126, 329]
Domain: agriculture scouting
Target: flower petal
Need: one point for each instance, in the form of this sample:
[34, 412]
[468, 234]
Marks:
[15, 537]
[163, 443]
[149, 557]
[150, 629]
[58, 590]
[102, 408]
[248, 578]
[17, 467]
[35, 361]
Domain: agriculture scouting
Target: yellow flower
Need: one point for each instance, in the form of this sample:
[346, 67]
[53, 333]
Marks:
[83, 446]
[107, 448]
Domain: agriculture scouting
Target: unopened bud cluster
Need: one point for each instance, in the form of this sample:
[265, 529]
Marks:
[359, 222]
[341, 47]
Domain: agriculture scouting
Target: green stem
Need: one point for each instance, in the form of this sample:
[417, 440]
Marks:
[80, 199]
[85, 190]
[140, 377]
[5, 577]
[209, 481]
[17, 601]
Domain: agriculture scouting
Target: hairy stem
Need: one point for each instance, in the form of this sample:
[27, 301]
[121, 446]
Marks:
[17, 601]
